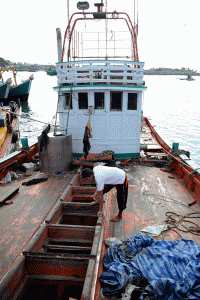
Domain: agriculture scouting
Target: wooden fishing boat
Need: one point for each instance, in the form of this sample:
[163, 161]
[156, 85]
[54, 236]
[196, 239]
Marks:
[9, 128]
[17, 91]
[51, 71]
[52, 243]
[20, 91]
[60, 253]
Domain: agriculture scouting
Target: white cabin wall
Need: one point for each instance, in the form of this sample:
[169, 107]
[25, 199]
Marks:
[62, 117]
[112, 130]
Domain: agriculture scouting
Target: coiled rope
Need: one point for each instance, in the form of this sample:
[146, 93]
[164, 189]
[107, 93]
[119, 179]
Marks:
[182, 223]
[178, 222]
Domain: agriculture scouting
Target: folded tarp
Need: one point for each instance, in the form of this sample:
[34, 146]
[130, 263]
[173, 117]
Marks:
[172, 268]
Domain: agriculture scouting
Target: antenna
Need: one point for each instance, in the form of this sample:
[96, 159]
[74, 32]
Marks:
[99, 14]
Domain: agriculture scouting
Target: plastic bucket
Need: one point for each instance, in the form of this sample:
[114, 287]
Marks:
[24, 142]
[175, 145]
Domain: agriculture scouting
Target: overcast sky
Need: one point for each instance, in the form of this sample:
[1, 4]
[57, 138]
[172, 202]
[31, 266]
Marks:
[168, 30]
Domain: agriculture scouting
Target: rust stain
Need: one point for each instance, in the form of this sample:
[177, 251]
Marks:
[134, 187]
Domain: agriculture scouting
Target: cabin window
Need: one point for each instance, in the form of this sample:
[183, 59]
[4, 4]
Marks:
[99, 100]
[116, 101]
[83, 100]
[132, 101]
[67, 101]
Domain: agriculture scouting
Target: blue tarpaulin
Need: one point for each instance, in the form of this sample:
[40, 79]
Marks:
[172, 268]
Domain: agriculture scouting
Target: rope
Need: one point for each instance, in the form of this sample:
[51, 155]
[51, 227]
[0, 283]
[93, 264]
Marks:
[163, 198]
[30, 118]
[57, 110]
[61, 128]
[183, 223]
[177, 222]
[182, 163]
[69, 107]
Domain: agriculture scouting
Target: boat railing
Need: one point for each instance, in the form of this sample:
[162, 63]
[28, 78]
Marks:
[100, 72]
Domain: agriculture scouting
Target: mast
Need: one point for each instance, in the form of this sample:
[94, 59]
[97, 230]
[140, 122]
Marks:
[67, 11]
[99, 15]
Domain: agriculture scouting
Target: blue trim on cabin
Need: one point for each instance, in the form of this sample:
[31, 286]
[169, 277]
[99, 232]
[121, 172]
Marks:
[101, 85]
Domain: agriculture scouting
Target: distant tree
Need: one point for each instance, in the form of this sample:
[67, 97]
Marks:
[3, 62]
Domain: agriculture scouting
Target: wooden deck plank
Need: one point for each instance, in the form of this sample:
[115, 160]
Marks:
[20, 220]
[7, 193]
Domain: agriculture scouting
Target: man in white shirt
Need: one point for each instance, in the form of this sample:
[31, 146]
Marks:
[106, 178]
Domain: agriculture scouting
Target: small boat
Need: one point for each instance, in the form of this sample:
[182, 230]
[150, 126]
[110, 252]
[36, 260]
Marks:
[53, 244]
[188, 78]
[51, 71]
[18, 91]
[4, 87]
[21, 91]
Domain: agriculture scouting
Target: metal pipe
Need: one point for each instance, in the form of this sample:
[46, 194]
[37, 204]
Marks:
[59, 44]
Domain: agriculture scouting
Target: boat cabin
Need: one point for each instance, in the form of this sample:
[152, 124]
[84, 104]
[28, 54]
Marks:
[106, 95]
[102, 91]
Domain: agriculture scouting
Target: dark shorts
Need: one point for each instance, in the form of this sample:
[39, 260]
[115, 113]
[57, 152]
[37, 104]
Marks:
[122, 193]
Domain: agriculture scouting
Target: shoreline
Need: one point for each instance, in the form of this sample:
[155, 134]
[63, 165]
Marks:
[26, 67]
[179, 72]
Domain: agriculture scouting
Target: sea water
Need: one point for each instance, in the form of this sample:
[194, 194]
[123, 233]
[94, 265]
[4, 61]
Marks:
[170, 102]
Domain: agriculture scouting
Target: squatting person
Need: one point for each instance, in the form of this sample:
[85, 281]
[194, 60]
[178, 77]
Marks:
[106, 178]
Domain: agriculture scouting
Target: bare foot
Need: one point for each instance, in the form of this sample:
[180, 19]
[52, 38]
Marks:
[99, 214]
[116, 219]
[94, 202]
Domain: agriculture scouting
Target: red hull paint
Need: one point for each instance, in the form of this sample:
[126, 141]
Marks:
[185, 173]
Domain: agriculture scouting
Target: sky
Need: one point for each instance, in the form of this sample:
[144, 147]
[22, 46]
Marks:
[168, 30]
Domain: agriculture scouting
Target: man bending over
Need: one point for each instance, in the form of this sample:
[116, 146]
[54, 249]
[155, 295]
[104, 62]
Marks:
[106, 178]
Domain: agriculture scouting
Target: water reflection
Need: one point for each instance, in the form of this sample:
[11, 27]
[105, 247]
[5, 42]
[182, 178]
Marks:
[25, 107]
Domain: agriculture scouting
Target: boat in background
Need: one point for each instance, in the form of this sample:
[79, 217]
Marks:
[4, 87]
[17, 91]
[20, 91]
[51, 71]
[188, 78]
[9, 128]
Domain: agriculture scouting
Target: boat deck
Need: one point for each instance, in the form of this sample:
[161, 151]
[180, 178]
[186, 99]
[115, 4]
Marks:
[21, 220]
[154, 193]
[157, 195]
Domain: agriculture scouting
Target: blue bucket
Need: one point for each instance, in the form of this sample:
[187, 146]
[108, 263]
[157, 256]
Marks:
[175, 145]
[24, 142]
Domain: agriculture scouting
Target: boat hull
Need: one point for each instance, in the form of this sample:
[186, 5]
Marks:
[20, 91]
[4, 90]
[51, 73]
